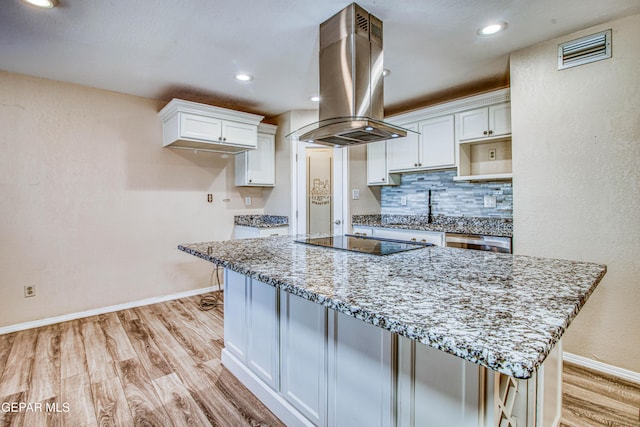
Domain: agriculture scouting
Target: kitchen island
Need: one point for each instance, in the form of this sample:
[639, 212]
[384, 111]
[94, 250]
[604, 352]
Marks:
[434, 336]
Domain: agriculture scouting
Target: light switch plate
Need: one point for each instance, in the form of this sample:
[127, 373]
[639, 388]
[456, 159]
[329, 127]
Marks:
[247, 201]
[355, 194]
[403, 200]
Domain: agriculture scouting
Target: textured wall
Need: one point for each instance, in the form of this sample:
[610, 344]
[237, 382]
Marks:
[93, 207]
[369, 201]
[576, 163]
[448, 197]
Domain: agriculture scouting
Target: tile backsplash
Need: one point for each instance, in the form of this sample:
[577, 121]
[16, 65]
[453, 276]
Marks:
[448, 197]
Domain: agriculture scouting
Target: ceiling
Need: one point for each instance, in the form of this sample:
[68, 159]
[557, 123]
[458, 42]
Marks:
[193, 48]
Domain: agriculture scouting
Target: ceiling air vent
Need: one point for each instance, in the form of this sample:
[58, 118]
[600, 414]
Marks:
[584, 50]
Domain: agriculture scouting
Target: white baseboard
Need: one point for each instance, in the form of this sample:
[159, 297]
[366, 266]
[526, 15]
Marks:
[103, 310]
[621, 373]
[270, 398]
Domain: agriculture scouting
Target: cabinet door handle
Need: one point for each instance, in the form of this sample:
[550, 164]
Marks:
[224, 139]
[415, 165]
[490, 132]
[250, 180]
[413, 239]
[485, 132]
[383, 179]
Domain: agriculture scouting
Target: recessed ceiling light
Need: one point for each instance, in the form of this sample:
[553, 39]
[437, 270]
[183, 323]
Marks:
[244, 77]
[45, 4]
[314, 98]
[492, 29]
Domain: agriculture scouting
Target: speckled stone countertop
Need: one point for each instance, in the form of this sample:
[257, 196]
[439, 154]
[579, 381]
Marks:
[261, 221]
[447, 224]
[505, 312]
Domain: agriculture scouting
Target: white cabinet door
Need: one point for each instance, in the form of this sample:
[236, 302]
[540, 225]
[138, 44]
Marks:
[262, 161]
[437, 142]
[262, 344]
[500, 119]
[257, 167]
[360, 373]
[240, 134]
[404, 153]
[235, 313]
[377, 163]
[485, 122]
[194, 126]
[436, 388]
[302, 346]
[473, 124]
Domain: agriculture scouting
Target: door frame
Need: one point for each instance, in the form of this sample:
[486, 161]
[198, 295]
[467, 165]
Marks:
[340, 184]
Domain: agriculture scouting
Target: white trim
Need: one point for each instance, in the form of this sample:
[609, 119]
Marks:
[621, 373]
[270, 398]
[103, 310]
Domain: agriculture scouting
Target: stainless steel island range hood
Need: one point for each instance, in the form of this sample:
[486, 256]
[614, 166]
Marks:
[351, 82]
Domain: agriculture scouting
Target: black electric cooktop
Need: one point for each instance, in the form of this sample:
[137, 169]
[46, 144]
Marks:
[367, 245]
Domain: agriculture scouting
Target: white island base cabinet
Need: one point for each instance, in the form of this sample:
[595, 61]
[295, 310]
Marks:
[313, 366]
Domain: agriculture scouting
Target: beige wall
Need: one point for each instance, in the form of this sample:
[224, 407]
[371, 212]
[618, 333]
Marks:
[576, 164]
[278, 200]
[369, 202]
[93, 207]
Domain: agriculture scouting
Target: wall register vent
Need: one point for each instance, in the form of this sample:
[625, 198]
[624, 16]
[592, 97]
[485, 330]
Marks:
[584, 50]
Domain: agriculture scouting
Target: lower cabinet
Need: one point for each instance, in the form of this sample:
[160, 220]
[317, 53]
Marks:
[435, 388]
[313, 366]
[303, 327]
[247, 232]
[251, 325]
[360, 368]
[421, 236]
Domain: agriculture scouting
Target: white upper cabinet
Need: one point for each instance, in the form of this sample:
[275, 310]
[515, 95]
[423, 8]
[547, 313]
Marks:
[404, 153]
[258, 167]
[448, 135]
[485, 122]
[432, 146]
[437, 148]
[377, 168]
[196, 126]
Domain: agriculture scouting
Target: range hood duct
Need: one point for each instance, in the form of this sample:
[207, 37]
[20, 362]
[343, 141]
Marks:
[351, 82]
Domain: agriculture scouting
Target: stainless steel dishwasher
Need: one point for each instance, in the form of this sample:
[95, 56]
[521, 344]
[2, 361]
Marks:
[475, 241]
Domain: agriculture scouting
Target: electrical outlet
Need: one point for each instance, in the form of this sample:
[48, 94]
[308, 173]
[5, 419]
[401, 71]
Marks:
[210, 198]
[247, 201]
[355, 194]
[403, 200]
[492, 154]
[489, 201]
[30, 291]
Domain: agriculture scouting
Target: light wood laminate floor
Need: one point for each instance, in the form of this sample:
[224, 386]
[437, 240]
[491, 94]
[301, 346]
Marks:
[159, 365]
[591, 399]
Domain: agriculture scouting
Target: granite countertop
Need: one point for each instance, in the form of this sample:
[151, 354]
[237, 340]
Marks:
[448, 224]
[261, 221]
[505, 312]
